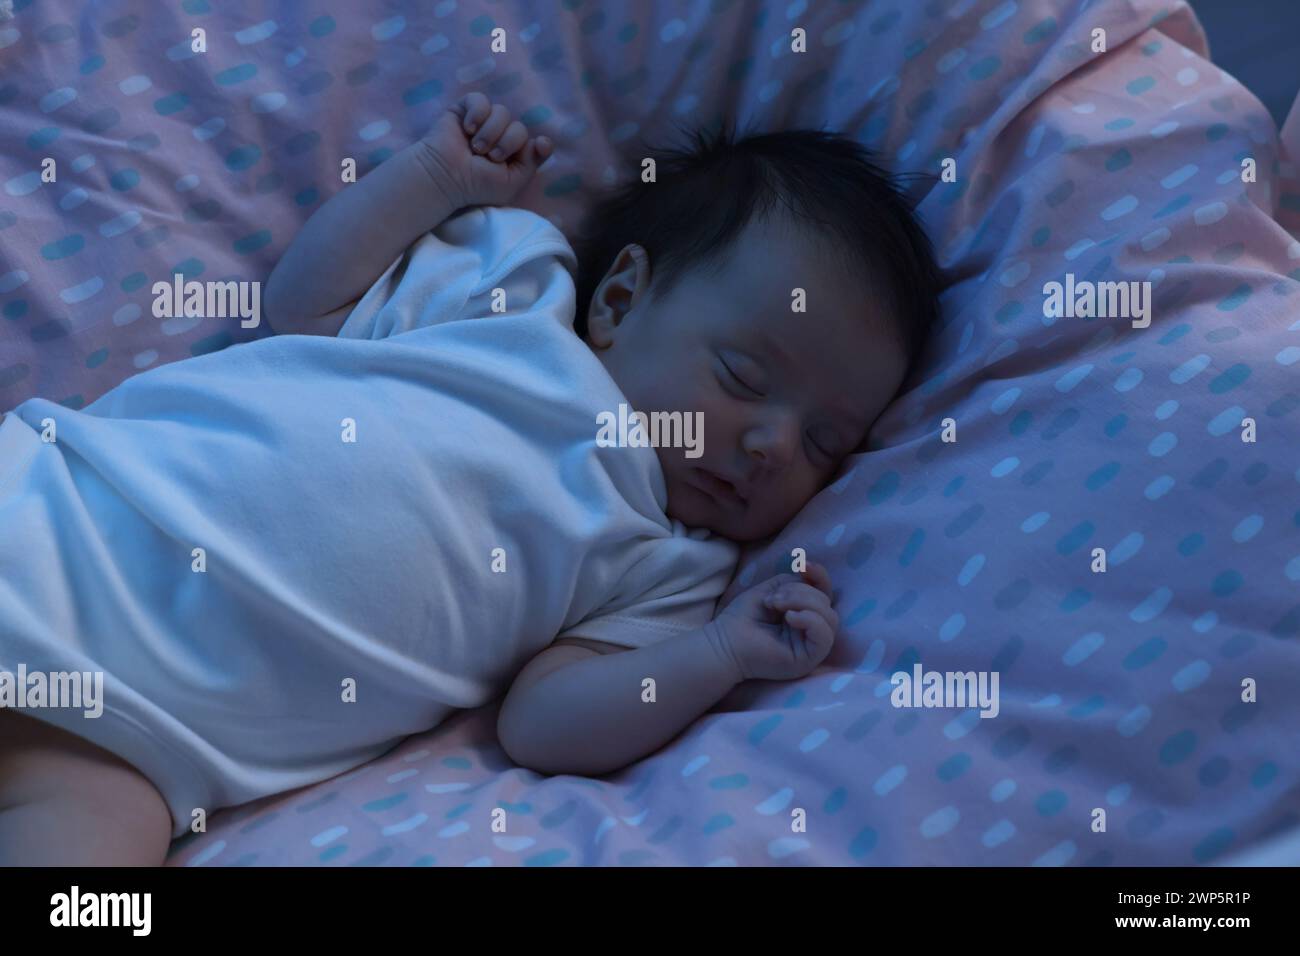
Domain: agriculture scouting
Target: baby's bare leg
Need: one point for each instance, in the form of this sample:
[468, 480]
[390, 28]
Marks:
[66, 802]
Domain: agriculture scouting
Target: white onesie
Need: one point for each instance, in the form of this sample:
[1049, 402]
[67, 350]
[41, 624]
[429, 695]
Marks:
[413, 509]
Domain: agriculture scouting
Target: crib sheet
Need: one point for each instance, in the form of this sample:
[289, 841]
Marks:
[1119, 691]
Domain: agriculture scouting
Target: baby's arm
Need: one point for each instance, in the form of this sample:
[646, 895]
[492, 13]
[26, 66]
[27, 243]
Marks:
[575, 709]
[578, 706]
[350, 240]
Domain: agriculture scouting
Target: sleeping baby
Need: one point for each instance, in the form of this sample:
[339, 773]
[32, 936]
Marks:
[286, 556]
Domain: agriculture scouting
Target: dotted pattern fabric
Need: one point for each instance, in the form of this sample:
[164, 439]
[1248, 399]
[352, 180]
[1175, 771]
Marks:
[1119, 691]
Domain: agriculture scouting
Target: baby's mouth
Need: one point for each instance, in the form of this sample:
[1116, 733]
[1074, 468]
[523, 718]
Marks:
[720, 487]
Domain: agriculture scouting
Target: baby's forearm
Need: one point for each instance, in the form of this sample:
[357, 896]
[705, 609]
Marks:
[595, 715]
[351, 239]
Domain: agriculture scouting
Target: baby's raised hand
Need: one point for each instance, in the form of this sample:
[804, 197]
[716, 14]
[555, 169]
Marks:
[478, 156]
[782, 628]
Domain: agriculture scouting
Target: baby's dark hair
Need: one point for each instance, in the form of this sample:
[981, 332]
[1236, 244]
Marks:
[708, 191]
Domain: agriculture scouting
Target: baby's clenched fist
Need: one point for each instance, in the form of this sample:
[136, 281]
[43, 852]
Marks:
[780, 629]
[477, 155]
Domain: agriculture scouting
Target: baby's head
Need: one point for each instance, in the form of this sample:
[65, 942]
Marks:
[685, 293]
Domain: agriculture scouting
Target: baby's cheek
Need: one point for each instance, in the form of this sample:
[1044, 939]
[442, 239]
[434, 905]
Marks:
[801, 490]
[717, 419]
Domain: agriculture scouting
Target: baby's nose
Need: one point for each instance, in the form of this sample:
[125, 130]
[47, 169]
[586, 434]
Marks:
[772, 444]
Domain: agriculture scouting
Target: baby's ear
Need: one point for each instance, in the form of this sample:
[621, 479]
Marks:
[600, 327]
[613, 298]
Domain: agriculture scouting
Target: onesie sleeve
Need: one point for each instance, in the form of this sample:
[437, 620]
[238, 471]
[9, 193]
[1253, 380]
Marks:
[676, 590]
[451, 272]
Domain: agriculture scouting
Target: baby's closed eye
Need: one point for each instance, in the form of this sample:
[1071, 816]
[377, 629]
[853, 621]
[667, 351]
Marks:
[826, 440]
[735, 375]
